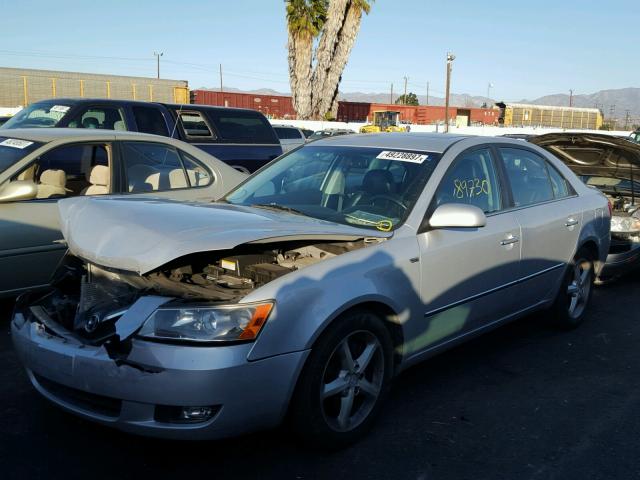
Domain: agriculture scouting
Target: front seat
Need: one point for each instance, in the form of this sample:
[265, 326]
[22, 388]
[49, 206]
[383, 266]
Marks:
[90, 122]
[375, 182]
[99, 180]
[52, 184]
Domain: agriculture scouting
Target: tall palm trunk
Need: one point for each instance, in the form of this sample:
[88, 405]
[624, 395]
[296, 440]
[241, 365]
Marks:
[327, 92]
[300, 47]
[326, 49]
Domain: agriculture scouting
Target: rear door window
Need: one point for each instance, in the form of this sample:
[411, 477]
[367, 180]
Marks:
[150, 120]
[528, 176]
[103, 118]
[239, 126]
[152, 167]
[285, 133]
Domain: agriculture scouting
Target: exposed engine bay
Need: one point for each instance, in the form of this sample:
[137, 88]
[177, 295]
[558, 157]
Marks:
[88, 299]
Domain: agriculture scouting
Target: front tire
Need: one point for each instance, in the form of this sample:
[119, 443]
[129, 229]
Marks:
[344, 382]
[569, 309]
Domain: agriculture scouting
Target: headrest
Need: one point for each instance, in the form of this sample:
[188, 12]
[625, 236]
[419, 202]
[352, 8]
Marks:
[99, 175]
[177, 179]
[56, 178]
[378, 182]
[90, 122]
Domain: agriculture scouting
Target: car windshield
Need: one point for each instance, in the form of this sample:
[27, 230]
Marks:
[42, 114]
[13, 149]
[365, 187]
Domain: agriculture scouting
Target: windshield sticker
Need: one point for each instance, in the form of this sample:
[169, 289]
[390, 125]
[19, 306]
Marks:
[15, 143]
[380, 222]
[59, 108]
[402, 156]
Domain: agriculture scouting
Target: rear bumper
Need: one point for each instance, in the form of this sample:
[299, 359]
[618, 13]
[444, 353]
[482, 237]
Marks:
[129, 395]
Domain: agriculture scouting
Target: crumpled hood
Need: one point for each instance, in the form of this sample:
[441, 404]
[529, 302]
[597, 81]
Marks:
[140, 235]
[593, 154]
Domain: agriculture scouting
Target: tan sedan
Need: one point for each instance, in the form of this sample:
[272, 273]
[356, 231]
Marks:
[40, 167]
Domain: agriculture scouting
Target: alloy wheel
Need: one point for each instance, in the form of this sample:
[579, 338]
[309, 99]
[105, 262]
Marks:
[352, 381]
[579, 288]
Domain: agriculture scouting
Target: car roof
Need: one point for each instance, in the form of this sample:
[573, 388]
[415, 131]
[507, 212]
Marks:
[432, 142]
[83, 100]
[45, 135]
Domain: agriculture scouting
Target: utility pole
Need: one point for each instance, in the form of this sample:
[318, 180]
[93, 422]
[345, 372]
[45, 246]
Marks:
[489, 87]
[627, 118]
[450, 58]
[404, 97]
[391, 94]
[220, 78]
[570, 98]
[427, 93]
[158, 55]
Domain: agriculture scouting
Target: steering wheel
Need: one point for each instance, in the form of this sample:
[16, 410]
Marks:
[388, 198]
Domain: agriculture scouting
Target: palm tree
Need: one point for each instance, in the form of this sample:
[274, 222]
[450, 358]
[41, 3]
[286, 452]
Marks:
[315, 90]
[305, 19]
[327, 81]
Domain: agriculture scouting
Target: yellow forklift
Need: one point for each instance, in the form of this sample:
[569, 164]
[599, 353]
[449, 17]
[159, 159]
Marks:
[383, 121]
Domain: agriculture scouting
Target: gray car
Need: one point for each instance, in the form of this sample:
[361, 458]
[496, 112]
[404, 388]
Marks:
[39, 167]
[311, 285]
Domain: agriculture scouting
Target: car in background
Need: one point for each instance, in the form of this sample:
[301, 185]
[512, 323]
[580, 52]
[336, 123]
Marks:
[4, 119]
[635, 136]
[612, 165]
[330, 132]
[309, 286]
[290, 136]
[242, 138]
[39, 167]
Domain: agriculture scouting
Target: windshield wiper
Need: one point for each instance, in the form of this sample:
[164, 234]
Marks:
[276, 206]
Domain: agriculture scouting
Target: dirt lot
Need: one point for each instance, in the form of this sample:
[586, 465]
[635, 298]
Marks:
[524, 402]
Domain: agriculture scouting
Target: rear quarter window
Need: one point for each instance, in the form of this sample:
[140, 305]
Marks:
[238, 126]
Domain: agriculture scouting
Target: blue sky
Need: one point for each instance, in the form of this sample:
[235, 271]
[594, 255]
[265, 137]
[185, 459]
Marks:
[526, 49]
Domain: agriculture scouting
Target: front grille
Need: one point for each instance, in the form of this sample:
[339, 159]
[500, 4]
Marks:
[106, 406]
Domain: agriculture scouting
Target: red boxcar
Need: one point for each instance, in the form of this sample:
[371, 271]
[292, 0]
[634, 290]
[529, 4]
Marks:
[273, 106]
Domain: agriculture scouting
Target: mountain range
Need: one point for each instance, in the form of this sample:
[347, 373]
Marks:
[616, 103]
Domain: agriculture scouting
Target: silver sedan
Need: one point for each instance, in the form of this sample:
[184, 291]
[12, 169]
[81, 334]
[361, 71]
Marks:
[39, 167]
[311, 285]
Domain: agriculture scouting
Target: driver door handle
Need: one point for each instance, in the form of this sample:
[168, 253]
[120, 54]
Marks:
[509, 240]
[571, 222]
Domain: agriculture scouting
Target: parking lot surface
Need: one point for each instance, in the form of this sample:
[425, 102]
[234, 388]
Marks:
[523, 402]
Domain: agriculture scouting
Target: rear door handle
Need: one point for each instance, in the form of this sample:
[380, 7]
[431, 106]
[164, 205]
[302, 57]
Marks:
[571, 222]
[509, 239]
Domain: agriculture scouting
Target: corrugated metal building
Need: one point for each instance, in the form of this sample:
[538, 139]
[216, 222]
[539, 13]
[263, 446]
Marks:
[273, 106]
[20, 87]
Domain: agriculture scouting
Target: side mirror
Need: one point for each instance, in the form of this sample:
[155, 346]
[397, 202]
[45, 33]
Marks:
[451, 215]
[18, 190]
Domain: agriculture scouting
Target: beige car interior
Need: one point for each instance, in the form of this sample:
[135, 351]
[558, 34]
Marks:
[52, 184]
[99, 181]
[144, 178]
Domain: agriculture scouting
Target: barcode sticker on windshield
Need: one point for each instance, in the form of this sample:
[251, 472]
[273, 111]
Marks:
[59, 108]
[15, 143]
[402, 156]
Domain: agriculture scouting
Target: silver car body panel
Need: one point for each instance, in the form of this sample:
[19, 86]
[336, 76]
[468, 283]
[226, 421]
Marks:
[437, 287]
[140, 238]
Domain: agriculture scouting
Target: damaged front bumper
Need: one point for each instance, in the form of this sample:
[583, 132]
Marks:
[148, 390]
[624, 257]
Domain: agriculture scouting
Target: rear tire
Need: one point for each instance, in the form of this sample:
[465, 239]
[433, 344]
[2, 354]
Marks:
[344, 382]
[571, 303]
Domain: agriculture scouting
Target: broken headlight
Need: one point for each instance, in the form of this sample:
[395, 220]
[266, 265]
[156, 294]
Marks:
[225, 323]
[625, 225]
